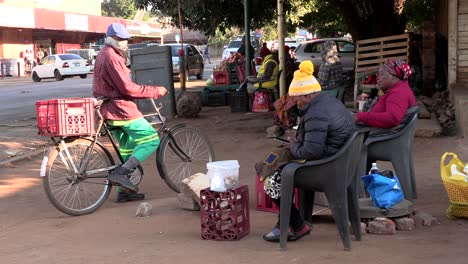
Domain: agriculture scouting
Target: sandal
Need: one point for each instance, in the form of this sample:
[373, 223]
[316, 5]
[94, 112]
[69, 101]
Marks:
[305, 230]
[274, 235]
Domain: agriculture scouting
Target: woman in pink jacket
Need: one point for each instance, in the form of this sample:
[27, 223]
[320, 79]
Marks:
[398, 97]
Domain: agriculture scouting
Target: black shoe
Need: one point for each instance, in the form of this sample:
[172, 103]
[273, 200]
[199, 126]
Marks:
[123, 197]
[119, 176]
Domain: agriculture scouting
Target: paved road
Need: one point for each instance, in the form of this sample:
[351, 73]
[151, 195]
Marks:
[18, 96]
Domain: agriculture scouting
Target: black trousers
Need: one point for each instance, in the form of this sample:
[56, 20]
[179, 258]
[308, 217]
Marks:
[296, 221]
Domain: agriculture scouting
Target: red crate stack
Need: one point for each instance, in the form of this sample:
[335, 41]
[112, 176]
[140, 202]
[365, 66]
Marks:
[263, 202]
[221, 77]
[65, 117]
[225, 215]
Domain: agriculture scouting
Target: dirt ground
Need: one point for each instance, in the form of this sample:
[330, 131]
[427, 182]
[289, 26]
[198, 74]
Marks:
[33, 231]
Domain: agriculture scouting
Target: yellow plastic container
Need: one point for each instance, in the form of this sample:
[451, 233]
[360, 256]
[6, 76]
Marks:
[457, 189]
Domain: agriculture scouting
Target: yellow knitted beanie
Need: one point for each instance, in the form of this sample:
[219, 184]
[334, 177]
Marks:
[304, 82]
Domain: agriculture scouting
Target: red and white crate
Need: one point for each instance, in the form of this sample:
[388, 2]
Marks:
[65, 117]
[225, 215]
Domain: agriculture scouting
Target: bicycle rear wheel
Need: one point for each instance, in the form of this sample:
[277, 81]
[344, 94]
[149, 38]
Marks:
[69, 193]
[172, 164]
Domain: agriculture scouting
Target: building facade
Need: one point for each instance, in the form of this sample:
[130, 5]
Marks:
[55, 26]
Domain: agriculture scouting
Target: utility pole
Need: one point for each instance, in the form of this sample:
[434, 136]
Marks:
[248, 56]
[181, 52]
[281, 53]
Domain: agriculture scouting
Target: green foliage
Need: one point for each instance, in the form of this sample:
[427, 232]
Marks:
[324, 20]
[417, 12]
[221, 37]
[119, 8]
[270, 31]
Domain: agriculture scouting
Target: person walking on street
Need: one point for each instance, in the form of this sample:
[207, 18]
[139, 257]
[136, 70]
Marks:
[206, 52]
[40, 55]
[137, 138]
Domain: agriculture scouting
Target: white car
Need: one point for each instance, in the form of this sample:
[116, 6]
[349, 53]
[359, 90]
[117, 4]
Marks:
[310, 50]
[235, 44]
[59, 66]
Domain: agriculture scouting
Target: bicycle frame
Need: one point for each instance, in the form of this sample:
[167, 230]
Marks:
[80, 170]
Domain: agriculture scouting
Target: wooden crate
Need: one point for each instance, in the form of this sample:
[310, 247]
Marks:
[371, 53]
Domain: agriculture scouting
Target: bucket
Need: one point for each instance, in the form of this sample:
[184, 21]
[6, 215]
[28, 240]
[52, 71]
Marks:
[226, 169]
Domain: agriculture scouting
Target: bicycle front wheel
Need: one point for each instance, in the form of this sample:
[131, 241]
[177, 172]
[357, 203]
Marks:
[66, 190]
[174, 166]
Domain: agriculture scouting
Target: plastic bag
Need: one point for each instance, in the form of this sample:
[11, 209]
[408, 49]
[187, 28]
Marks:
[217, 184]
[455, 185]
[226, 171]
[385, 192]
[261, 103]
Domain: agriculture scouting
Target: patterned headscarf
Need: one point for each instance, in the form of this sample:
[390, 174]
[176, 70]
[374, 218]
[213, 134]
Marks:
[329, 52]
[397, 68]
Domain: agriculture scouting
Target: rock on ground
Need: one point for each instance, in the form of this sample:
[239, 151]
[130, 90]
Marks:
[381, 226]
[424, 219]
[187, 202]
[188, 104]
[404, 224]
[144, 209]
[191, 186]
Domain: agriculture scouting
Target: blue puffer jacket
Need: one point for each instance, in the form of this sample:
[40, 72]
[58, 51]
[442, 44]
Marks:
[325, 126]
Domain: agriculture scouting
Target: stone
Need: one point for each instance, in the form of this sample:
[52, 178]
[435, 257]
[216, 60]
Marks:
[428, 128]
[404, 224]
[363, 229]
[191, 186]
[144, 209]
[188, 104]
[381, 226]
[424, 219]
[187, 202]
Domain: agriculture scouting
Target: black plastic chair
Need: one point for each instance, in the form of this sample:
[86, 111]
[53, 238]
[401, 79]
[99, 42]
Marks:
[336, 177]
[396, 148]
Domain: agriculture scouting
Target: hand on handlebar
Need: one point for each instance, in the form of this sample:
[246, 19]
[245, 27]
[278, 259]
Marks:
[161, 92]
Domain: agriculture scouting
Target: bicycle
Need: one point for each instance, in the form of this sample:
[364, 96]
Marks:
[76, 164]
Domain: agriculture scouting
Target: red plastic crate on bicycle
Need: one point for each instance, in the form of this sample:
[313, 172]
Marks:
[65, 117]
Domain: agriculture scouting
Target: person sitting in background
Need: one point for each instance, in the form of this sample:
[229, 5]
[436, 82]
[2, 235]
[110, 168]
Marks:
[392, 107]
[325, 126]
[241, 49]
[331, 70]
[268, 72]
[264, 51]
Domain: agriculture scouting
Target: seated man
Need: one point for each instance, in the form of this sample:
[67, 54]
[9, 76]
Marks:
[331, 70]
[325, 126]
[268, 71]
[390, 108]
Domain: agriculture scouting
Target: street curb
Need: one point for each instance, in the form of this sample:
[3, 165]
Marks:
[24, 156]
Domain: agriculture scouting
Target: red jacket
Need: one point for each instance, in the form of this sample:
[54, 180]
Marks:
[390, 108]
[112, 80]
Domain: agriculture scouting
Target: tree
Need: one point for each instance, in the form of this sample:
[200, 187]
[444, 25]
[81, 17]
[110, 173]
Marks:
[362, 18]
[119, 8]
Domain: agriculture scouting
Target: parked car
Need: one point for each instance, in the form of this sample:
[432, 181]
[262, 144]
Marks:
[310, 50]
[193, 61]
[235, 44]
[59, 66]
[87, 54]
[141, 45]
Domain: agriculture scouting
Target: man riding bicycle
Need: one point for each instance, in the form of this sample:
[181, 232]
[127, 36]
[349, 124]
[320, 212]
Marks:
[137, 138]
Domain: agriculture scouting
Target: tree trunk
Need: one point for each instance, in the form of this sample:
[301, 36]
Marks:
[370, 18]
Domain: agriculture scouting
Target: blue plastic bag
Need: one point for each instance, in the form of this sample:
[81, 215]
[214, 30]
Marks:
[385, 192]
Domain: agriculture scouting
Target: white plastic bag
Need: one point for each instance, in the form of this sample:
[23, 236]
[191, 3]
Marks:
[217, 184]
